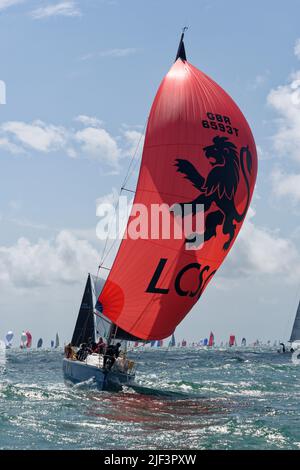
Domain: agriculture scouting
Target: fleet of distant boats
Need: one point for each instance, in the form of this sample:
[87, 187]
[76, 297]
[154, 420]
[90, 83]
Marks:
[26, 341]
[210, 343]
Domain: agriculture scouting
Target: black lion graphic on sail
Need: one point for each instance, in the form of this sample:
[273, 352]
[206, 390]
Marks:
[219, 186]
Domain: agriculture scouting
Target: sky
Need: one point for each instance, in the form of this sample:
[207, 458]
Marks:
[80, 79]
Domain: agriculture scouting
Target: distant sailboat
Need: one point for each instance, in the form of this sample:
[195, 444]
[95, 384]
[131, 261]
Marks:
[26, 340]
[295, 334]
[152, 343]
[232, 341]
[183, 343]
[9, 339]
[40, 343]
[211, 341]
[29, 340]
[56, 341]
[23, 340]
[244, 342]
[159, 343]
[172, 342]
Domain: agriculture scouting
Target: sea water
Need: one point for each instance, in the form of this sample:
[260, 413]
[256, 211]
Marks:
[184, 399]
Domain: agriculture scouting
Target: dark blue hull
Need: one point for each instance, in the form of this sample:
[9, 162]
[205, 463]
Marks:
[77, 372]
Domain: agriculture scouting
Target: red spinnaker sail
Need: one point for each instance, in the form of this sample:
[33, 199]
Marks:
[29, 339]
[232, 340]
[211, 340]
[198, 149]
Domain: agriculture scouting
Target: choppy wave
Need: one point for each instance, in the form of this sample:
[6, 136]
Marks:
[205, 399]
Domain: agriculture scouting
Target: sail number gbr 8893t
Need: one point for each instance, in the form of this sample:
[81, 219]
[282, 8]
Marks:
[219, 123]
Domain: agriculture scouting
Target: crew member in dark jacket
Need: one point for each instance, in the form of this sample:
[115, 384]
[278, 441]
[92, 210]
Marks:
[112, 352]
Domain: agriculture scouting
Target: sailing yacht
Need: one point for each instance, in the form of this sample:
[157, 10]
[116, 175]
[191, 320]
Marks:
[199, 148]
[91, 325]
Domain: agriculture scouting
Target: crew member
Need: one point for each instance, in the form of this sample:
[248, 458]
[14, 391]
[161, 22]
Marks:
[100, 346]
[111, 354]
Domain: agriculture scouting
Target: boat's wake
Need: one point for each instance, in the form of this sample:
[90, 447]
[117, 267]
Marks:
[89, 384]
[154, 392]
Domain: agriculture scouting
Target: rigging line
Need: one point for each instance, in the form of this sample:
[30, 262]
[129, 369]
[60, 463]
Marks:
[128, 190]
[129, 171]
[128, 175]
[101, 317]
[116, 205]
[134, 168]
[97, 276]
[121, 229]
[111, 247]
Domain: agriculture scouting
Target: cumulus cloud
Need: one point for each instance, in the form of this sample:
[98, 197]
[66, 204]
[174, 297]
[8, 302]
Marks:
[134, 142]
[90, 141]
[285, 100]
[10, 147]
[262, 153]
[67, 258]
[9, 3]
[89, 121]
[62, 260]
[99, 144]
[37, 135]
[259, 251]
[286, 184]
[65, 8]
